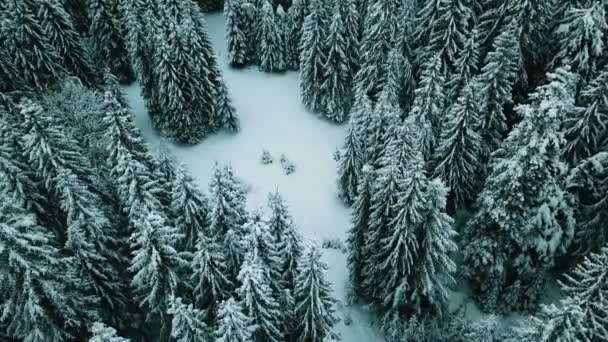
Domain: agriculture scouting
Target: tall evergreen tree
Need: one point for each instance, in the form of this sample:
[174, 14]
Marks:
[32, 60]
[297, 14]
[466, 66]
[456, 159]
[58, 28]
[525, 220]
[350, 17]
[350, 164]
[314, 54]
[233, 325]
[315, 312]
[187, 324]
[378, 38]
[449, 30]
[385, 117]
[212, 284]
[103, 333]
[270, 46]
[426, 21]
[337, 72]
[236, 34]
[108, 38]
[263, 247]
[581, 34]
[585, 127]
[257, 300]
[190, 208]
[225, 113]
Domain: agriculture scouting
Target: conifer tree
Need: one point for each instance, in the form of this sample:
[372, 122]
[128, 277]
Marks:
[257, 300]
[378, 38]
[227, 217]
[456, 159]
[350, 164]
[497, 77]
[212, 284]
[581, 34]
[287, 238]
[338, 73]
[262, 246]
[585, 126]
[429, 104]
[189, 207]
[362, 116]
[350, 18]
[187, 324]
[44, 298]
[103, 333]
[313, 58]
[315, 312]
[108, 38]
[466, 66]
[426, 21]
[449, 29]
[525, 220]
[34, 62]
[400, 79]
[297, 14]
[233, 325]
[57, 27]
[225, 113]
[77, 9]
[270, 46]
[385, 117]
[236, 35]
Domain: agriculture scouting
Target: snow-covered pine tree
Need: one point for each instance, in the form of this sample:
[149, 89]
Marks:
[58, 29]
[386, 116]
[350, 163]
[350, 18]
[108, 38]
[233, 325]
[362, 116]
[297, 14]
[140, 16]
[209, 276]
[525, 219]
[585, 128]
[496, 84]
[44, 297]
[313, 58]
[564, 323]
[282, 22]
[337, 72]
[270, 48]
[189, 207]
[429, 104]
[103, 333]
[187, 322]
[315, 312]
[378, 38]
[400, 80]
[236, 36]
[456, 159]
[31, 59]
[86, 230]
[287, 238]
[425, 22]
[466, 66]
[227, 217]
[434, 268]
[164, 169]
[225, 113]
[256, 298]
[581, 35]
[449, 30]
[261, 244]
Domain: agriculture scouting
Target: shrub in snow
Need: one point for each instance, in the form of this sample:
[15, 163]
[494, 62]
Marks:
[266, 157]
[287, 165]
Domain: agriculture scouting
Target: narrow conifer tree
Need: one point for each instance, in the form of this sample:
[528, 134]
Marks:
[350, 164]
[297, 14]
[236, 36]
[270, 47]
[449, 29]
[337, 72]
[233, 325]
[187, 324]
[466, 66]
[350, 17]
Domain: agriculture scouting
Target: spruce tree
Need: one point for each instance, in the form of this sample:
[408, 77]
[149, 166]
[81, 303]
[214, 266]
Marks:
[350, 17]
[581, 34]
[58, 28]
[297, 14]
[227, 217]
[350, 164]
[263, 246]
[233, 325]
[457, 159]
[225, 113]
[190, 208]
[338, 74]
[584, 128]
[378, 38]
[313, 58]
[34, 62]
[108, 38]
[359, 231]
[449, 29]
[525, 218]
[426, 21]
[187, 324]
[429, 104]
[212, 284]
[236, 34]
[400, 80]
[287, 238]
[385, 117]
[256, 298]
[270, 46]
[466, 66]
[315, 312]
[103, 333]
[362, 116]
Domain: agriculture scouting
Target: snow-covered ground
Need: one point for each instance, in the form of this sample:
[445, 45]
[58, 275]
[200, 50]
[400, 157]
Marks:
[273, 118]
